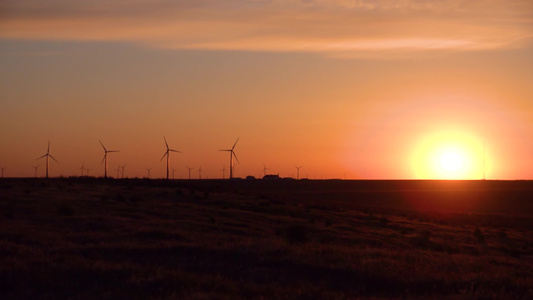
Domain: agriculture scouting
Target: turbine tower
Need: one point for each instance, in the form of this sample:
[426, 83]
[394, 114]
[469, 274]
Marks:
[82, 168]
[47, 155]
[223, 171]
[298, 171]
[231, 155]
[200, 173]
[173, 170]
[36, 167]
[122, 167]
[87, 171]
[105, 157]
[2, 171]
[167, 154]
[148, 169]
[190, 169]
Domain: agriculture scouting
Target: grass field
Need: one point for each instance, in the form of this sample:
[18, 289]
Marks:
[86, 238]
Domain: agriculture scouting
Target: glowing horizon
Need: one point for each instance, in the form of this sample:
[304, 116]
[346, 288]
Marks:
[346, 89]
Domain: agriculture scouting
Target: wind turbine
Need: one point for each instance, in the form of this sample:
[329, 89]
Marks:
[190, 169]
[47, 155]
[82, 168]
[223, 171]
[231, 155]
[173, 170]
[122, 167]
[105, 157]
[2, 171]
[297, 171]
[87, 171]
[118, 172]
[148, 169]
[35, 167]
[167, 154]
[200, 173]
[265, 170]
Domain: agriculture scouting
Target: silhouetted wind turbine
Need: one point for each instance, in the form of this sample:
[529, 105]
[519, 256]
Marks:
[173, 170]
[82, 168]
[87, 171]
[231, 155]
[148, 169]
[190, 169]
[105, 157]
[200, 173]
[118, 172]
[47, 155]
[3, 168]
[223, 171]
[297, 171]
[265, 170]
[122, 167]
[35, 167]
[167, 154]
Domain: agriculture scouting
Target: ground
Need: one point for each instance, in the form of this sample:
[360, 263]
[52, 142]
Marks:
[88, 238]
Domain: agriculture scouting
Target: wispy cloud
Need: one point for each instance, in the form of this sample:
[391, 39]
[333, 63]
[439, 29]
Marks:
[347, 27]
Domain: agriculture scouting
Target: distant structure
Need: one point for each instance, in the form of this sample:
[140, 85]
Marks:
[223, 171]
[173, 170]
[118, 171]
[105, 157]
[122, 167]
[87, 169]
[298, 171]
[200, 173]
[265, 170]
[36, 167]
[82, 168]
[148, 169]
[190, 169]
[47, 155]
[271, 177]
[167, 154]
[231, 155]
[3, 168]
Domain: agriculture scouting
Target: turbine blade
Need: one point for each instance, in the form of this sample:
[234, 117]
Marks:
[166, 153]
[103, 159]
[42, 156]
[53, 158]
[165, 141]
[235, 144]
[235, 155]
[102, 145]
[174, 150]
[225, 150]
[113, 151]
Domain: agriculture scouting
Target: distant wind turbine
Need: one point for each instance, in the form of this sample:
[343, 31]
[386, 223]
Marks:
[3, 168]
[173, 170]
[118, 171]
[190, 169]
[167, 154]
[105, 157]
[47, 155]
[148, 169]
[122, 167]
[36, 167]
[265, 170]
[298, 171]
[223, 171]
[82, 168]
[231, 155]
[87, 169]
[200, 173]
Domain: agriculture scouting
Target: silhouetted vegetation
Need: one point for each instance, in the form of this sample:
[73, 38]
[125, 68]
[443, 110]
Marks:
[88, 238]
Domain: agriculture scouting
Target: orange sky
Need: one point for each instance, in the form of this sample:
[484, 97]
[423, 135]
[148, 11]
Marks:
[344, 88]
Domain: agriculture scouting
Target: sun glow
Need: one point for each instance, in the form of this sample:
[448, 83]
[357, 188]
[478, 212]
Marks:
[448, 155]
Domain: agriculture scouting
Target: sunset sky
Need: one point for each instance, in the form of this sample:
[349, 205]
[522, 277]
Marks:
[346, 89]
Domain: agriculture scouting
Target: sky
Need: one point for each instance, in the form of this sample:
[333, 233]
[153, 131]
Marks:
[352, 89]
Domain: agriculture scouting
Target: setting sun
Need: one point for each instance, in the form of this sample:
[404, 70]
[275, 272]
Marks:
[448, 155]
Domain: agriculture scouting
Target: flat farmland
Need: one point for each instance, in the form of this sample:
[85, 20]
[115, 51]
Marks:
[88, 238]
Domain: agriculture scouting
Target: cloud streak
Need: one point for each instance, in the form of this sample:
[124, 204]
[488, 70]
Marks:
[337, 27]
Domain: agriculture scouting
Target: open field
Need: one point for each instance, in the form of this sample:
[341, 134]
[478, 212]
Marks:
[86, 238]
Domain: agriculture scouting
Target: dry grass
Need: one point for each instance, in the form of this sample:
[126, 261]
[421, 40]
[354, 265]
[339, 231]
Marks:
[135, 239]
